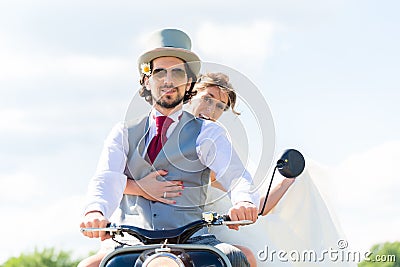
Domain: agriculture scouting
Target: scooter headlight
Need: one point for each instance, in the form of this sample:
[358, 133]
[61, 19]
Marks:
[163, 259]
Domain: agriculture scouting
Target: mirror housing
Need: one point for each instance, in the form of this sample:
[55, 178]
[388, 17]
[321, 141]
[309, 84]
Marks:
[291, 163]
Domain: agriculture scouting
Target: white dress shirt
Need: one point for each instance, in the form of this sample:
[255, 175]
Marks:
[213, 149]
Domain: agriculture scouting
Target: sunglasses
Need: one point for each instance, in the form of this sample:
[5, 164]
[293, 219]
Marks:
[214, 102]
[177, 74]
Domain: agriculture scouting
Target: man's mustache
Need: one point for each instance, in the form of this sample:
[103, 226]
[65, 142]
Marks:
[167, 86]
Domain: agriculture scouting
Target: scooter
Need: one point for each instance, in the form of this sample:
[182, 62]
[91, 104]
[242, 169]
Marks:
[168, 248]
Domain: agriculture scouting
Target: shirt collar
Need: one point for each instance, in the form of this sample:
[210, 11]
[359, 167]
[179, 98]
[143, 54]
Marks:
[174, 116]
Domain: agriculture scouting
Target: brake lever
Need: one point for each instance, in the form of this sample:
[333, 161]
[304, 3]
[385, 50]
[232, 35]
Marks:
[104, 229]
[227, 221]
[242, 222]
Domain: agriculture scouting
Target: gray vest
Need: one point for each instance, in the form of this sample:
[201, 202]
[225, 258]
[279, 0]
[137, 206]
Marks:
[179, 157]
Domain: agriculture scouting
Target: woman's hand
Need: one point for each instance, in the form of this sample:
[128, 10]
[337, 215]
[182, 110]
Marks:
[152, 189]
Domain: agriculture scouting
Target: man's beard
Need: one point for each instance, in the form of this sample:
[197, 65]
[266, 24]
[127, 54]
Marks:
[163, 103]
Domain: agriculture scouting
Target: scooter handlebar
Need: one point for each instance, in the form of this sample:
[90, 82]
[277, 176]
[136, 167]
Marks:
[209, 219]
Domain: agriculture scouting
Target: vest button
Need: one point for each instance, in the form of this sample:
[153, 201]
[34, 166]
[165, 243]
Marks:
[155, 215]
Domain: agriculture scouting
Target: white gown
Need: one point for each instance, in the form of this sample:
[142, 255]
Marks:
[301, 225]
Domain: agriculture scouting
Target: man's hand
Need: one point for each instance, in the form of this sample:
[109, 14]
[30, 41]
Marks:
[242, 211]
[95, 219]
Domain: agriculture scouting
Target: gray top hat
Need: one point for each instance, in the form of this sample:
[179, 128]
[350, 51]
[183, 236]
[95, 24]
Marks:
[171, 43]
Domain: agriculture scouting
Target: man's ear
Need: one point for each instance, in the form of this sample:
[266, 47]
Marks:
[146, 82]
[188, 84]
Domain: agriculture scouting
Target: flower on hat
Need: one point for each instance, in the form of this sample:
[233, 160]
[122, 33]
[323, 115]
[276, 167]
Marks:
[145, 68]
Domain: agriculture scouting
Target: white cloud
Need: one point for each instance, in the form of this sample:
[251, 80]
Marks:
[62, 120]
[30, 61]
[14, 66]
[94, 66]
[20, 187]
[247, 42]
[366, 195]
[12, 120]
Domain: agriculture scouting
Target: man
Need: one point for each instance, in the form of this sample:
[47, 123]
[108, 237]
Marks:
[172, 140]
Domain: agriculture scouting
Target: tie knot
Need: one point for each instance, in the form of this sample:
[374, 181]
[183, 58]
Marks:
[162, 124]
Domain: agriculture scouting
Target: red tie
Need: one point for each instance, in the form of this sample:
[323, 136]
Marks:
[162, 125]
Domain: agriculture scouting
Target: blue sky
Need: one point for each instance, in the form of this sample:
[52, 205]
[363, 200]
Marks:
[328, 71]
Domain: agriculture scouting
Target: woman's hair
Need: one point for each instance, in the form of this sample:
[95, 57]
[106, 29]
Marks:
[220, 80]
[144, 92]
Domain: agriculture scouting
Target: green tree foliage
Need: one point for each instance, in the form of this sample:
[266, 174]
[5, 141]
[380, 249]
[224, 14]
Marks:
[48, 257]
[383, 255]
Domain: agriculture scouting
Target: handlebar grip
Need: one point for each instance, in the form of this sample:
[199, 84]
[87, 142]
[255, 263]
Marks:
[228, 221]
[226, 218]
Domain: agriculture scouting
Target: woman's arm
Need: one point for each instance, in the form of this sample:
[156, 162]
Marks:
[215, 183]
[152, 189]
[276, 195]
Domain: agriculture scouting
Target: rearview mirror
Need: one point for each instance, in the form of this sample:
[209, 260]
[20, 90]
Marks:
[291, 164]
